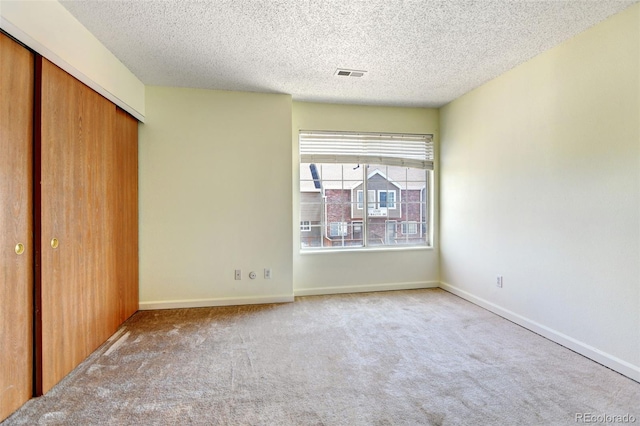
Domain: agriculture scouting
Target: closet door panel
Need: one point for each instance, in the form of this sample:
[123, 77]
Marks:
[16, 225]
[62, 319]
[126, 213]
[77, 286]
[100, 232]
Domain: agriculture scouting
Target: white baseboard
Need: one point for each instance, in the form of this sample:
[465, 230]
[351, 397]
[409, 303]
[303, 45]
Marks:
[223, 301]
[608, 360]
[318, 291]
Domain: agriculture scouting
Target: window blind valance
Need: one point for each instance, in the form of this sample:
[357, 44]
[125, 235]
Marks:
[367, 148]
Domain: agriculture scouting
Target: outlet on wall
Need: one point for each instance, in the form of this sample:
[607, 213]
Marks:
[238, 275]
[267, 273]
[499, 281]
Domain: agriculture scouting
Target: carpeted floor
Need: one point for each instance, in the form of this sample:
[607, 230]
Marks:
[421, 357]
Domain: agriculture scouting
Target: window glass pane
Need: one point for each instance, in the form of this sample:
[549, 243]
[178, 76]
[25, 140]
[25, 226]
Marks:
[376, 227]
[311, 206]
[333, 199]
[391, 199]
[357, 236]
[312, 238]
[371, 199]
[409, 228]
[391, 232]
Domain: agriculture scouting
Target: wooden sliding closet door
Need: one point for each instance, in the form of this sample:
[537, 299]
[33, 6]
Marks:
[16, 226]
[77, 279]
[126, 212]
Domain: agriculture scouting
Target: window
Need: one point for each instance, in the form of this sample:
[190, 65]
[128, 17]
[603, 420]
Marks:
[409, 228]
[387, 199]
[340, 173]
[371, 195]
[338, 229]
[357, 227]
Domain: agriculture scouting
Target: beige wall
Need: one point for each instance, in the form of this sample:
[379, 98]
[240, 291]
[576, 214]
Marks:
[215, 179]
[333, 272]
[540, 183]
[49, 29]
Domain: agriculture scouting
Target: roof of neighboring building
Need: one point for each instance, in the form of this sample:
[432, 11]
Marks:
[348, 176]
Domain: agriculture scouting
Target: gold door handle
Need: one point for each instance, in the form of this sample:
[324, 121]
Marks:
[19, 248]
[54, 243]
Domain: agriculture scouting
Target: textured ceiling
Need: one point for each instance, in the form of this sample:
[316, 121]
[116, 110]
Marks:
[417, 53]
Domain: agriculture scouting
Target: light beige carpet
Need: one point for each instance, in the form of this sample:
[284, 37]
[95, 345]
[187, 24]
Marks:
[422, 357]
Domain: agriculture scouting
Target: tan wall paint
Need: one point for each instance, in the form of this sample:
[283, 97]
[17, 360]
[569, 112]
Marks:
[49, 29]
[315, 273]
[540, 183]
[215, 179]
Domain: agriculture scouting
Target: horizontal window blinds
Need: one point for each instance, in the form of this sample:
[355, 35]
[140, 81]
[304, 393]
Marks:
[367, 148]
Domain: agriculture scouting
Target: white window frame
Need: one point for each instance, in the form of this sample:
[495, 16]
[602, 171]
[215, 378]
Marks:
[364, 149]
[371, 195]
[343, 229]
[387, 202]
[409, 224]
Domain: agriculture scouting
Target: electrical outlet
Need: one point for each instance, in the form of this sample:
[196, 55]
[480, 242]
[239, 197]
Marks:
[252, 275]
[267, 273]
[499, 281]
[238, 274]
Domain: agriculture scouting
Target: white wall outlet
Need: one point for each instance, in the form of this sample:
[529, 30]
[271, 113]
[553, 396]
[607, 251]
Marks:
[238, 274]
[267, 273]
[499, 281]
[252, 275]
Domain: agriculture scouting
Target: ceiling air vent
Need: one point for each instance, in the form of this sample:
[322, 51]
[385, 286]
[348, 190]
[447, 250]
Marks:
[349, 73]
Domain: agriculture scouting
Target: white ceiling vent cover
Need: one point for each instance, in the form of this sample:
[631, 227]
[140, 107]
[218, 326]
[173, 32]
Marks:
[341, 72]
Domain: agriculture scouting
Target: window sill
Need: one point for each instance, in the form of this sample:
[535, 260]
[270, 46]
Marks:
[364, 250]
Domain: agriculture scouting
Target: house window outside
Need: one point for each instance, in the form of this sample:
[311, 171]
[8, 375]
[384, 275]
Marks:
[334, 191]
[338, 229]
[357, 228]
[409, 228]
[387, 199]
[371, 196]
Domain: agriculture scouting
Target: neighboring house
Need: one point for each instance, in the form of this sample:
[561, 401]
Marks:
[332, 201]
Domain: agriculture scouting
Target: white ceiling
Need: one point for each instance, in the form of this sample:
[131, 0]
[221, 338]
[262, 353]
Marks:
[417, 53]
